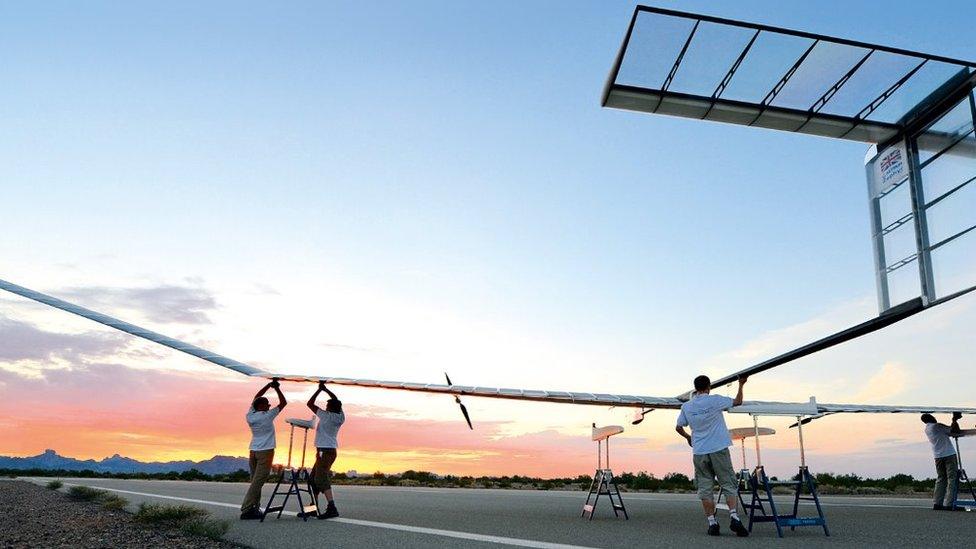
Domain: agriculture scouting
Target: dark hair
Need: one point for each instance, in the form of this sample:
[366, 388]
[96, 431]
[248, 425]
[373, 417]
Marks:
[333, 405]
[259, 401]
[702, 383]
[928, 418]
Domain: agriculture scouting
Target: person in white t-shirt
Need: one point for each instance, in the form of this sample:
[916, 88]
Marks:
[326, 445]
[946, 466]
[260, 418]
[710, 441]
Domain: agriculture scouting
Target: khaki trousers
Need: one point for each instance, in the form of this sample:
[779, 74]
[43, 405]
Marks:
[945, 485]
[260, 464]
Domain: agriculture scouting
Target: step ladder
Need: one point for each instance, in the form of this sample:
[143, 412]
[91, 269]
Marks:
[804, 488]
[294, 481]
[963, 485]
[762, 492]
[603, 483]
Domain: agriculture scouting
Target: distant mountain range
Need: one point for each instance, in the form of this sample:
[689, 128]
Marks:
[118, 464]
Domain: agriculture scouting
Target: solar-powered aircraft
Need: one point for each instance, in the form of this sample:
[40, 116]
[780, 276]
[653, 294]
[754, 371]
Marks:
[645, 404]
[916, 110]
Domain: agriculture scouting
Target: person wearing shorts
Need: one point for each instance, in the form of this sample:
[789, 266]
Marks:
[326, 444]
[710, 441]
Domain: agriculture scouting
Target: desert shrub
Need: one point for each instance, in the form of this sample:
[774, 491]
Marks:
[54, 485]
[84, 493]
[113, 502]
[155, 513]
[192, 520]
[106, 499]
[206, 527]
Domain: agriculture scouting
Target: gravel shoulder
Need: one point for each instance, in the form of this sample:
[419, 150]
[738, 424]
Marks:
[34, 516]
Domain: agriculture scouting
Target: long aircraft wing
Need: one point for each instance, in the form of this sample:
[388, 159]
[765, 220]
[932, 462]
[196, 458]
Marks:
[566, 397]
[602, 399]
[626, 401]
[889, 317]
[187, 348]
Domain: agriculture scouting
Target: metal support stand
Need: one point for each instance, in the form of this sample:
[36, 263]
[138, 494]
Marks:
[295, 481]
[762, 493]
[603, 483]
[963, 484]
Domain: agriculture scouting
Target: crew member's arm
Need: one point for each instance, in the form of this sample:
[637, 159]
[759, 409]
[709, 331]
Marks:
[738, 396]
[330, 393]
[680, 426]
[281, 396]
[315, 395]
[263, 390]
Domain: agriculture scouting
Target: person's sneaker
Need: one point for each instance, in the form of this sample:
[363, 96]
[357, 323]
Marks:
[737, 527]
[330, 512]
[251, 514]
[938, 507]
[713, 530]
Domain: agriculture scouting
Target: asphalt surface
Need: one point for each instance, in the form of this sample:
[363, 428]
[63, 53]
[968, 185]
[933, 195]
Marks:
[424, 517]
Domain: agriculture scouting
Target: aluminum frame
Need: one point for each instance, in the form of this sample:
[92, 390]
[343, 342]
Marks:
[928, 289]
[763, 113]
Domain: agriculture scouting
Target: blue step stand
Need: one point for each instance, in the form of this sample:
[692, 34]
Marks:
[804, 488]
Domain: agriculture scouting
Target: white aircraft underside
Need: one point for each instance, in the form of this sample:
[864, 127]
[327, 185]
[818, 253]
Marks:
[807, 409]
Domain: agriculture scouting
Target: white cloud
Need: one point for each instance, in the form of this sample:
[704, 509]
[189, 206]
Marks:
[891, 381]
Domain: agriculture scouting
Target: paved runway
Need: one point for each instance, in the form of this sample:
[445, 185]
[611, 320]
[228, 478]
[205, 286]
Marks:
[425, 517]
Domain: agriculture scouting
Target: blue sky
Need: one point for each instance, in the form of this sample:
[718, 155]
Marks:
[436, 156]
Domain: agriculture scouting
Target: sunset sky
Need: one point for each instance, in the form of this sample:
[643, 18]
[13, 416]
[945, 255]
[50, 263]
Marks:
[392, 191]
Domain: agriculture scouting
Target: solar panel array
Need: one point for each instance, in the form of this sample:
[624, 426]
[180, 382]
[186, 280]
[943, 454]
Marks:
[709, 68]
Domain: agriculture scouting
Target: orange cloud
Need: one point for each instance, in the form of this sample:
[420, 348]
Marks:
[97, 410]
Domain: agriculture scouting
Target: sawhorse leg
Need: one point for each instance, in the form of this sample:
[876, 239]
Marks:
[812, 486]
[595, 483]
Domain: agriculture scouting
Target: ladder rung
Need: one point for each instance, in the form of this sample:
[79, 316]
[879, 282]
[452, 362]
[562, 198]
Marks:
[274, 509]
[767, 518]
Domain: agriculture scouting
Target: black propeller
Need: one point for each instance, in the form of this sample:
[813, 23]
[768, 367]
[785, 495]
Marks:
[806, 420]
[457, 399]
[639, 416]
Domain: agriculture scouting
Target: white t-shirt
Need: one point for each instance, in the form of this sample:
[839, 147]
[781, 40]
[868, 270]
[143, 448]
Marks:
[327, 430]
[262, 428]
[708, 431]
[939, 439]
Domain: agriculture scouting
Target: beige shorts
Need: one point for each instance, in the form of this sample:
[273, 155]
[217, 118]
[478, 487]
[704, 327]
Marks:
[717, 465]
